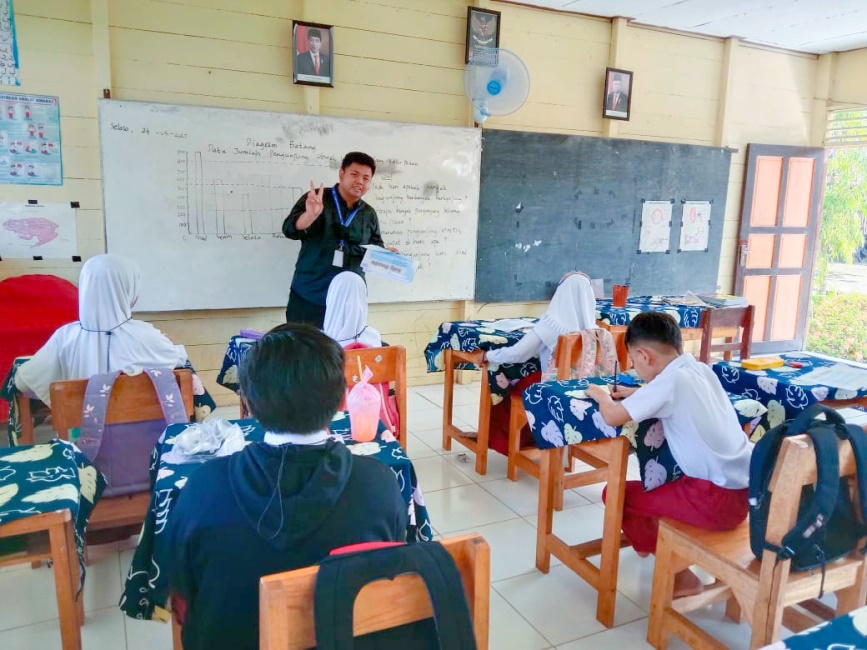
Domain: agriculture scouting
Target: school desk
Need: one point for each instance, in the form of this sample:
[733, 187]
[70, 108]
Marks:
[560, 415]
[235, 352]
[845, 632]
[777, 389]
[146, 590]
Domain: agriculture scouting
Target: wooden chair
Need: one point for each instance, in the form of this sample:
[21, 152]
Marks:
[764, 592]
[51, 536]
[731, 324]
[475, 441]
[132, 400]
[285, 600]
[388, 364]
[569, 347]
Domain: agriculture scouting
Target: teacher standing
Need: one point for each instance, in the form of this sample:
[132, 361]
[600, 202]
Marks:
[332, 224]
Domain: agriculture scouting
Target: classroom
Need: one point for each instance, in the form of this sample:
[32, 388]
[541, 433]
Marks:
[582, 313]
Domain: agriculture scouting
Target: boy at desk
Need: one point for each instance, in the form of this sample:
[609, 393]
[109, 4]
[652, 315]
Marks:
[701, 428]
[280, 504]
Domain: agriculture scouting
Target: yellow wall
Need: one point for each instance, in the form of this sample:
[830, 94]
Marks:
[850, 72]
[395, 60]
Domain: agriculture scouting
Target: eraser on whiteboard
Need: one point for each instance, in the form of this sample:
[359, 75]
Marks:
[74, 204]
[76, 258]
[32, 202]
[37, 258]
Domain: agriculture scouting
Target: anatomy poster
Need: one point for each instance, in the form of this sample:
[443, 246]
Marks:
[655, 227]
[41, 229]
[30, 140]
[695, 226]
[8, 46]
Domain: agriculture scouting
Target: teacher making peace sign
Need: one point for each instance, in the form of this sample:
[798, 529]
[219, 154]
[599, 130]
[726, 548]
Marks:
[332, 225]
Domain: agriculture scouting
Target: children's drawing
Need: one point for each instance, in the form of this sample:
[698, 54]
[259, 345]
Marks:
[655, 227]
[695, 226]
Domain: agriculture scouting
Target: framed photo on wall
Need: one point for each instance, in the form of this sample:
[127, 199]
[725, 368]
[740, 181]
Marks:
[483, 31]
[312, 54]
[617, 97]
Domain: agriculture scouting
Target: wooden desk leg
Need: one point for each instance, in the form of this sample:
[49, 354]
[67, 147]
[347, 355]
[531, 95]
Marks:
[549, 458]
[484, 428]
[448, 399]
[611, 532]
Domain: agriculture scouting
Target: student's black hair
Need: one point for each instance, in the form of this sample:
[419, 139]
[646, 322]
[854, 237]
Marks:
[293, 379]
[314, 32]
[361, 158]
[654, 327]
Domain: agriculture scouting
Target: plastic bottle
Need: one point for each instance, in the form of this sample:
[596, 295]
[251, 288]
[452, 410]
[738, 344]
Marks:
[364, 403]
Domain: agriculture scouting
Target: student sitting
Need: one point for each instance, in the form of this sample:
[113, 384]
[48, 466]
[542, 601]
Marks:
[701, 428]
[106, 337]
[280, 504]
[346, 313]
[572, 309]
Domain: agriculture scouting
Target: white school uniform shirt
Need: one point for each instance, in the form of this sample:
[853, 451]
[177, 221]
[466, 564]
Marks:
[700, 423]
[107, 290]
[572, 309]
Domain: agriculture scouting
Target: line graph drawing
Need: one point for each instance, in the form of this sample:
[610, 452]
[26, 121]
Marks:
[216, 199]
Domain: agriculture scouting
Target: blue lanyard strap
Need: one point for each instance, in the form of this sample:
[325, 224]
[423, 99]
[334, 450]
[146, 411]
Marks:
[352, 214]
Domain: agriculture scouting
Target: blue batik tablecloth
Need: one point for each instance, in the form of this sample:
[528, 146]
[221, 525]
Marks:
[466, 336]
[776, 387]
[560, 414]
[685, 315]
[147, 581]
[43, 478]
[235, 352]
[847, 632]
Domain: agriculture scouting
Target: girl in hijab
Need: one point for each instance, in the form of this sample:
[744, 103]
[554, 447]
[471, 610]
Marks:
[105, 338]
[346, 313]
[573, 308]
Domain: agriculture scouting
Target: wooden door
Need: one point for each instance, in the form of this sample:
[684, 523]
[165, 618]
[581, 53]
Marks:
[780, 217]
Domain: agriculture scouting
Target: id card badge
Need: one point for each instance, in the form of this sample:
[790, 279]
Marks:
[338, 259]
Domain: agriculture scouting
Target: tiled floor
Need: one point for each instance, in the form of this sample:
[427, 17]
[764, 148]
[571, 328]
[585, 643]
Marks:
[529, 610]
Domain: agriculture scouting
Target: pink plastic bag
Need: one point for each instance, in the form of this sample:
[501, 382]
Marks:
[363, 404]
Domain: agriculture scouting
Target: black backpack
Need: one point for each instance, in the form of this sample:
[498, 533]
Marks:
[341, 577]
[828, 525]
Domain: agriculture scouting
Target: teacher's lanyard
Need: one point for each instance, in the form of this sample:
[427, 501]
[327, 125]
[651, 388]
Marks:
[349, 218]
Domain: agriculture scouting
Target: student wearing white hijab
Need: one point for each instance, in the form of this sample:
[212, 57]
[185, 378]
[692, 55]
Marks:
[346, 312]
[105, 338]
[573, 308]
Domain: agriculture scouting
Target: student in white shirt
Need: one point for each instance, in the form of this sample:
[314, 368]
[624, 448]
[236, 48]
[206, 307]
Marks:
[701, 428]
[346, 313]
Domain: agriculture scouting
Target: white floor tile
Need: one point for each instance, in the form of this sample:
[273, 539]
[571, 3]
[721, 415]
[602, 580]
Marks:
[632, 636]
[232, 412]
[425, 419]
[432, 438]
[417, 448]
[461, 396]
[635, 577]
[147, 635]
[593, 493]
[464, 507]
[468, 413]
[560, 605]
[522, 495]
[576, 525]
[465, 461]
[433, 393]
[416, 400]
[434, 474]
[102, 630]
[509, 630]
[513, 547]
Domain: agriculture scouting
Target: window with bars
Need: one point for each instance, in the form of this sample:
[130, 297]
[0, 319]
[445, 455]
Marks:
[847, 128]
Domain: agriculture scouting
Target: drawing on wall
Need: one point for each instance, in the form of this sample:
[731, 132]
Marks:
[695, 226]
[9, 67]
[30, 140]
[39, 229]
[655, 227]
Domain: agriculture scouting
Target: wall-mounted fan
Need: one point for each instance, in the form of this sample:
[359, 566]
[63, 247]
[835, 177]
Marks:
[497, 83]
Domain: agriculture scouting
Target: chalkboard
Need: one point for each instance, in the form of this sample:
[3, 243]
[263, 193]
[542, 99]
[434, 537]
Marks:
[552, 203]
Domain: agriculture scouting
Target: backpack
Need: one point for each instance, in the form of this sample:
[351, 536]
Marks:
[341, 577]
[828, 525]
[122, 452]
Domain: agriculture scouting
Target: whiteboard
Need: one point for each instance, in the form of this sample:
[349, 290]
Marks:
[197, 196]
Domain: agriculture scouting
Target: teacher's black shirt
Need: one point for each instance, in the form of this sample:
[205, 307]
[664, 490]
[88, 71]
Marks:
[314, 269]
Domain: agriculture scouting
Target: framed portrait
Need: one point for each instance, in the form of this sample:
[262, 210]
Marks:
[312, 54]
[483, 31]
[617, 96]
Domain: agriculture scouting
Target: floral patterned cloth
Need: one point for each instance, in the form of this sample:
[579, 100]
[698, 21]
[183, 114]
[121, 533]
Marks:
[560, 414]
[847, 632]
[146, 590]
[685, 315]
[203, 403]
[235, 352]
[43, 478]
[774, 387]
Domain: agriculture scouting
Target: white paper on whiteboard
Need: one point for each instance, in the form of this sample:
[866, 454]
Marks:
[655, 227]
[695, 226]
[46, 229]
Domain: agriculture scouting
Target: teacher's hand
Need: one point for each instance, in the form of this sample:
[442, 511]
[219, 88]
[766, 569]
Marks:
[314, 204]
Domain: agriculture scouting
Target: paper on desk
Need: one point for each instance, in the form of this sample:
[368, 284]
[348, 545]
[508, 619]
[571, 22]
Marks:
[380, 261]
[510, 325]
[853, 416]
[840, 375]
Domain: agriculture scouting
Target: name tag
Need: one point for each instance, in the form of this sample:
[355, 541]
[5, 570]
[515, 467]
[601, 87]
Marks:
[338, 259]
